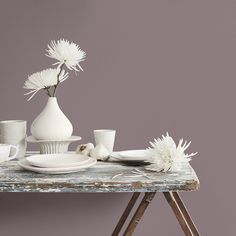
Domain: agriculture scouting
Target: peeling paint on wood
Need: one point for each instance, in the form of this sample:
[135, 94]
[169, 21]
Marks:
[96, 179]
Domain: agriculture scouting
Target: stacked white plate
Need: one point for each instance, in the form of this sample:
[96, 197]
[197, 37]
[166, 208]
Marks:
[132, 156]
[57, 163]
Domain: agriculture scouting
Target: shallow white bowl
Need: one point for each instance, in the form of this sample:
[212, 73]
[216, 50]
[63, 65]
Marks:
[53, 146]
[131, 156]
[60, 170]
[57, 160]
[137, 155]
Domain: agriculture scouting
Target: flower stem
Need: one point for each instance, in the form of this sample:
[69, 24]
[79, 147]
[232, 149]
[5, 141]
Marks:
[58, 80]
[48, 92]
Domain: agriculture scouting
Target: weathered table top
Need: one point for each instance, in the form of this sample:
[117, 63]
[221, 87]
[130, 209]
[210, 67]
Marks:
[98, 178]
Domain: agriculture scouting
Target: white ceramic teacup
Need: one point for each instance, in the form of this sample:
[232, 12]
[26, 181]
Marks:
[14, 132]
[5, 150]
[106, 137]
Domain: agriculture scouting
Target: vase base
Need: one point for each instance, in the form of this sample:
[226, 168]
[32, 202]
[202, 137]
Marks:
[51, 146]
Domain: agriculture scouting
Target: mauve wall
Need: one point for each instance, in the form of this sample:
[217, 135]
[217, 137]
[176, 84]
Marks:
[153, 66]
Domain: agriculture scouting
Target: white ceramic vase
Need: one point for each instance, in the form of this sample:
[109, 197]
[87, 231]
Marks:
[51, 123]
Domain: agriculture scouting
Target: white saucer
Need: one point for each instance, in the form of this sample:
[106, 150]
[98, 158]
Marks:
[60, 170]
[131, 156]
[57, 160]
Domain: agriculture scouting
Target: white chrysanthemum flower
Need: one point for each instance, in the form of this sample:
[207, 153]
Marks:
[166, 155]
[44, 80]
[67, 53]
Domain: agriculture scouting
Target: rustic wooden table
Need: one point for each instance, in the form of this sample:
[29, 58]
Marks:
[99, 178]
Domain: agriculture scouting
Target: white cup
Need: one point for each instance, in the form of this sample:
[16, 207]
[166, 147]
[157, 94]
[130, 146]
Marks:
[14, 132]
[5, 150]
[106, 137]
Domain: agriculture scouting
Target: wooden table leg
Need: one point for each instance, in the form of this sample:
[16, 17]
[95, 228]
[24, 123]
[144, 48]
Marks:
[125, 214]
[186, 214]
[181, 214]
[139, 213]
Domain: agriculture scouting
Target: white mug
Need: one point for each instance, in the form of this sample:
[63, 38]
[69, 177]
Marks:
[5, 150]
[106, 137]
[14, 132]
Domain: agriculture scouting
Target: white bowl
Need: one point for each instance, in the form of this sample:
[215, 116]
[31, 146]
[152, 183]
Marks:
[53, 146]
[57, 160]
[60, 170]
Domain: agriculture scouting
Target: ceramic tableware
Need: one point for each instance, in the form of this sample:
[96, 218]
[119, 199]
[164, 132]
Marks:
[53, 146]
[14, 132]
[5, 150]
[59, 170]
[84, 149]
[57, 160]
[132, 156]
[51, 123]
[139, 154]
[100, 152]
[106, 137]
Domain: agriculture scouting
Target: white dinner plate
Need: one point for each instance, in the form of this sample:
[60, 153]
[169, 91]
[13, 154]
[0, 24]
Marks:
[60, 170]
[132, 155]
[57, 160]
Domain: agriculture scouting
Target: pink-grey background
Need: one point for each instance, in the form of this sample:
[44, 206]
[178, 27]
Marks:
[152, 66]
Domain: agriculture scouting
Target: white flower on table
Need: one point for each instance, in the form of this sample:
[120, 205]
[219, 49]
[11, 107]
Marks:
[44, 80]
[67, 53]
[167, 155]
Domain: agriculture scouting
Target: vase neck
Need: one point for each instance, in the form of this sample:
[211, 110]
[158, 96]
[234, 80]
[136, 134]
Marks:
[52, 101]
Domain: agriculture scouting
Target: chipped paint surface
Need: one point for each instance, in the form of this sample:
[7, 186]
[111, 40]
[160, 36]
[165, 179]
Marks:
[96, 179]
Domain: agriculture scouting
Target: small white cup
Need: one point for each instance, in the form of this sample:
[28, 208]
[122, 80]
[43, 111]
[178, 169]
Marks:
[5, 150]
[14, 132]
[106, 137]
